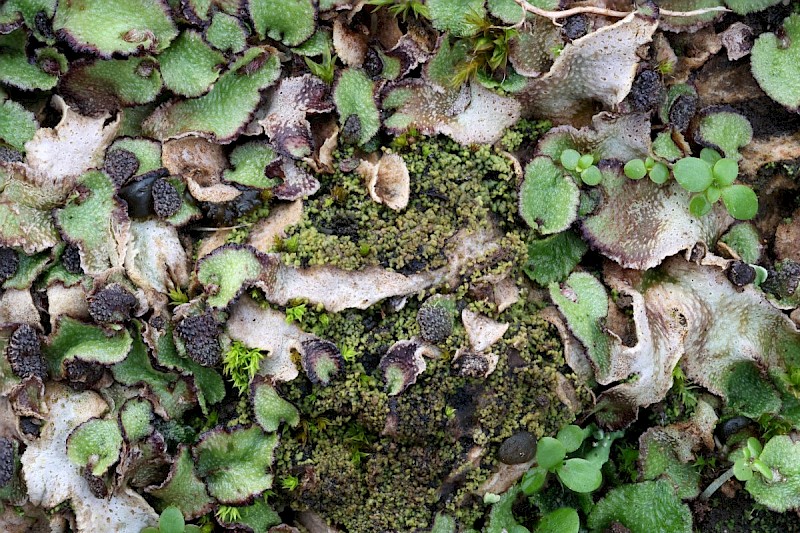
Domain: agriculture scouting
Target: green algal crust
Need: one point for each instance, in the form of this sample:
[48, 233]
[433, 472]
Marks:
[355, 103]
[250, 160]
[452, 187]
[115, 27]
[18, 125]
[774, 63]
[189, 66]
[234, 463]
[392, 481]
[288, 21]
[92, 219]
[95, 444]
[183, 488]
[93, 344]
[226, 33]
[226, 108]
[15, 69]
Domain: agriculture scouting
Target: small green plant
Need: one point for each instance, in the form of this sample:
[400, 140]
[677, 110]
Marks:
[171, 521]
[290, 483]
[576, 463]
[228, 514]
[709, 176]
[747, 464]
[295, 313]
[324, 70]
[636, 169]
[240, 364]
[581, 166]
[349, 354]
[402, 8]
[489, 47]
[177, 296]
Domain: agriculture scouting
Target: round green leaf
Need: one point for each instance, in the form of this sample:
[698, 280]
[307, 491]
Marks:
[571, 437]
[591, 176]
[580, 475]
[171, 520]
[699, 205]
[693, 174]
[569, 158]
[754, 446]
[564, 520]
[585, 161]
[725, 171]
[533, 480]
[550, 452]
[740, 201]
[713, 194]
[659, 173]
[761, 467]
[742, 470]
[635, 169]
[710, 155]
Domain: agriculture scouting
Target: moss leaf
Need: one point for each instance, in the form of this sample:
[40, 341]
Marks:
[548, 199]
[74, 340]
[774, 63]
[96, 221]
[225, 109]
[355, 103]
[288, 21]
[234, 463]
[642, 508]
[189, 66]
[109, 27]
[17, 126]
[183, 488]
[95, 444]
[782, 455]
[270, 409]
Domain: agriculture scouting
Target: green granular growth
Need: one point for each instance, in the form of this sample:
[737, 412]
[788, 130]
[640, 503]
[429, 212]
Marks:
[372, 481]
[452, 187]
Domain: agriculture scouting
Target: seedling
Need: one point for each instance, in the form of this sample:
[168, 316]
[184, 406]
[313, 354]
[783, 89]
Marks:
[580, 472]
[582, 166]
[171, 521]
[402, 8]
[709, 176]
[712, 177]
[748, 463]
[636, 169]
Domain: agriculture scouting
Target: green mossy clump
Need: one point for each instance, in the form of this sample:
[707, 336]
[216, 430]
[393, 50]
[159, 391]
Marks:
[371, 462]
[452, 188]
